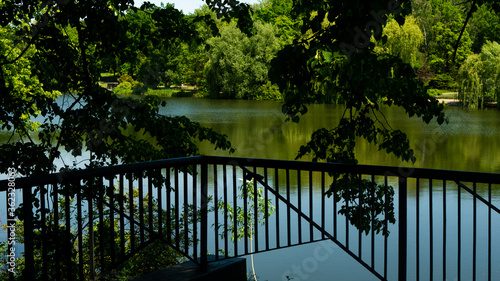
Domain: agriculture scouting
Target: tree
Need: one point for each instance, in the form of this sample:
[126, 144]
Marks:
[239, 64]
[277, 13]
[421, 9]
[110, 129]
[403, 41]
[338, 60]
[479, 76]
[48, 48]
[444, 54]
[484, 26]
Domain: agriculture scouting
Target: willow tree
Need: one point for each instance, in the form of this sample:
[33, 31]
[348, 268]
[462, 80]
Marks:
[479, 76]
[403, 41]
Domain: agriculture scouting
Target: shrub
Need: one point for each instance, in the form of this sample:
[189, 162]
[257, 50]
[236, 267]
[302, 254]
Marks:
[442, 81]
[125, 78]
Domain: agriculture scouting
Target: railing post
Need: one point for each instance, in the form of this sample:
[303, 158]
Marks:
[204, 214]
[29, 270]
[402, 243]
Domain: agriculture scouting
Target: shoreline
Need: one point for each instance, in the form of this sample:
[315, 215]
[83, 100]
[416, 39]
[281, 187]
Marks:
[456, 102]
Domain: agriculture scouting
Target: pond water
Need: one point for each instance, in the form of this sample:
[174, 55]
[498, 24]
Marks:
[469, 142]
[258, 129]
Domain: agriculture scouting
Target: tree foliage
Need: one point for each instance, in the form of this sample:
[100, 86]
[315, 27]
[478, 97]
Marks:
[446, 29]
[96, 123]
[53, 47]
[277, 13]
[480, 76]
[340, 57]
[484, 26]
[334, 59]
[239, 64]
[403, 41]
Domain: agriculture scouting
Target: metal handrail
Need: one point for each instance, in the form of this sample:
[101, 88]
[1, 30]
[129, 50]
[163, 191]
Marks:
[201, 181]
[438, 174]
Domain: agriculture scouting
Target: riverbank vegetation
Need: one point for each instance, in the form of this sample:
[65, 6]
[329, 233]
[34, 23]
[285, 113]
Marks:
[440, 39]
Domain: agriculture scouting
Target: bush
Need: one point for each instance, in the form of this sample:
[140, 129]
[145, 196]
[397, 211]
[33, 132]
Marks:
[435, 92]
[124, 85]
[183, 94]
[129, 86]
[267, 91]
[125, 78]
[443, 81]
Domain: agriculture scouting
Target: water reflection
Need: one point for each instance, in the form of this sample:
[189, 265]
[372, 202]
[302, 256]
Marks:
[258, 129]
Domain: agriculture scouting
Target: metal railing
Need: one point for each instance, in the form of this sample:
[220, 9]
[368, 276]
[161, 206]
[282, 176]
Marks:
[92, 223]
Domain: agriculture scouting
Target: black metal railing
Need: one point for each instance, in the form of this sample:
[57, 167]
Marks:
[89, 224]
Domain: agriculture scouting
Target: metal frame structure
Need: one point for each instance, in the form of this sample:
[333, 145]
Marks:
[97, 219]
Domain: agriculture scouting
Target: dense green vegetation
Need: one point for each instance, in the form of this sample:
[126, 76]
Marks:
[435, 38]
[209, 51]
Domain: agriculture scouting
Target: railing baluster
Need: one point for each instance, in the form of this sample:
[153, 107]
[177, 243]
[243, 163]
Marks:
[323, 207]
[168, 193]
[122, 218]
[186, 211]
[444, 229]
[67, 240]
[402, 201]
[360, 215]
[131, 211]
[266, 202]
[418, 229]
[459, 225]
[43, 193]
[334, 186]
[216, 212]
[102, 229]
[431, 234]
[256, 214]
[288, 219]
[159, 185]
[226, 239]
[176, 207]
[386, 225]
[112, 218]
[277, 187]
[204, 215]
[489, 232]
[372, 196]
[245, 211]
[235, 207]
[150, 205]
[474, 233]
[299, 199]
[90, 212]
[79, 218]
[195, 212]
[141, 209]
[67, 250]
[348, 197]
[311, 215]
[57, 240]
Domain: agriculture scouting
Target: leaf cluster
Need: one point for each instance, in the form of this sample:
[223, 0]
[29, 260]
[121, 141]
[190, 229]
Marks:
[367, 205]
